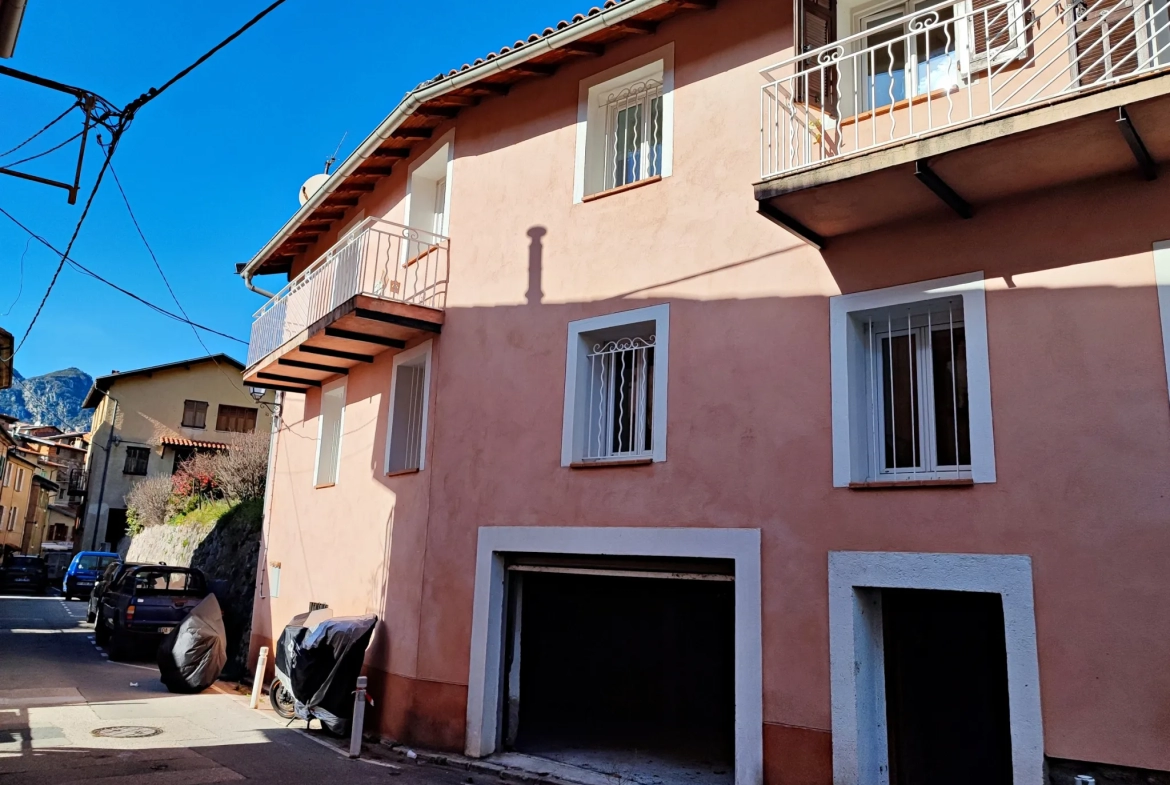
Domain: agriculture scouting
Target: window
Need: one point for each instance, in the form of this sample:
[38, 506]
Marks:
[409, 393]
[2, 520]
[615, 388]
[7, 474]
[911, 390]
[136, 460]
[625, 124]
[12, 512]
[329, 433]
[194, 414]
[429, 198]
[19, 484]
[237, 419]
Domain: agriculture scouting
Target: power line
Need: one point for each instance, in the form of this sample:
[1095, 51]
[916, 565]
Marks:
[163, 275]
[124, 118]
[51, 123]
[20, 288]
[52, 149]
[86, 271]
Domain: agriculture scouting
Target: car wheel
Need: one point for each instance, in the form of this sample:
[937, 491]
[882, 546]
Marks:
[281, 700]
[101, 633]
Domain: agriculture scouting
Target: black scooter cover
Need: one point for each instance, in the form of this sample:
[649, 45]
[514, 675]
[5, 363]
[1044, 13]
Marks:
[191, 656]
[322, 666]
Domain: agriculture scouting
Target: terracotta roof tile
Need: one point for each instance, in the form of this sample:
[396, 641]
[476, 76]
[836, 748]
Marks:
[179, 441]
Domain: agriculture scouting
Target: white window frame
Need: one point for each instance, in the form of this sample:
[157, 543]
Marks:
[321, 429]
[857, 662]
[576, 374]
[658, 63]
[848, 367]
[410, 357]
[18, 485]
[427, 160]
[1162, 284]
[484, 682]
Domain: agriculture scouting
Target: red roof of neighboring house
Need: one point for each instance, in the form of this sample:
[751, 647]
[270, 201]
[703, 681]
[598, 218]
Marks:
[179, 441]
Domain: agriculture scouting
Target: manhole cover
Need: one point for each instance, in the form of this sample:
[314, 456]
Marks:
[126, 732]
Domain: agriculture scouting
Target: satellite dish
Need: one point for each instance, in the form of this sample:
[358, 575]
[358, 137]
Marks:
[311, 186]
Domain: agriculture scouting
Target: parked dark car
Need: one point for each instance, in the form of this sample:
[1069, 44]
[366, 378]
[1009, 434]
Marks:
[83, 572]
[109, 576]
[145, 603]
[24, 573]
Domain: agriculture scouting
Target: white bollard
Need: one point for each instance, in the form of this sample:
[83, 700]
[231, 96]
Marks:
[359, 718]
[258, 682]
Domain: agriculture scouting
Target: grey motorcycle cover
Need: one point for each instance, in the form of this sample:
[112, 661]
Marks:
[191, 656]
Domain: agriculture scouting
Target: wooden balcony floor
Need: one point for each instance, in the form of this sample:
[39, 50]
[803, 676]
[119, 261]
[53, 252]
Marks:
[354, 333]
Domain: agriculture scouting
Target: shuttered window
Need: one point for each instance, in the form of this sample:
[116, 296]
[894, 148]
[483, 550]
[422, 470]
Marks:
[194, 414]
[137, 459]
[237, 419]
[329, 433]
[818, 27]
[997, 31]
[1110, 41]
[408, 410]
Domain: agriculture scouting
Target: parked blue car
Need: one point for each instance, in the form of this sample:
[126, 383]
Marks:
[84, 571]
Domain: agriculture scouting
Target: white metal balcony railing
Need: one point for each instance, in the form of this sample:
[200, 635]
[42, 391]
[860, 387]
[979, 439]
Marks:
[946, 65]
[377, 258]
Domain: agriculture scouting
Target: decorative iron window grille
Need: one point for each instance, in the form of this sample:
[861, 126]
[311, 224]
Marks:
[916, 385]
[633, 137]
[619, 414]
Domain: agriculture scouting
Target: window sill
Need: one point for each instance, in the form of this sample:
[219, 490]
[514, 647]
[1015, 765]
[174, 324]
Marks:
[401, 472]
[326, 485]
[611, 464]
[621, 189]
[882, 485]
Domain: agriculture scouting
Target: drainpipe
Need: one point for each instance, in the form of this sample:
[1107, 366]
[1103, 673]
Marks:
[105, 468]
[257, 289]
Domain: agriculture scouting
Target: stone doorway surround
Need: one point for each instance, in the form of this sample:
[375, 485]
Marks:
[488, 617]
[860, 744]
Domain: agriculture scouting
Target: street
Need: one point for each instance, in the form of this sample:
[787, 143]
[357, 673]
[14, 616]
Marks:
[68, 714]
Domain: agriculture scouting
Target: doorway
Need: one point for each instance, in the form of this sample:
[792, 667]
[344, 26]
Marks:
[946, 688]
[624, 669]
[115, 527]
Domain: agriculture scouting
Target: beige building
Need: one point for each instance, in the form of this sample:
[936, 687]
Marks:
[16, 495]
[146, 422]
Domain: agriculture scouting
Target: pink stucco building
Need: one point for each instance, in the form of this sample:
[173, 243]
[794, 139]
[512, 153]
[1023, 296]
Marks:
[641, 481]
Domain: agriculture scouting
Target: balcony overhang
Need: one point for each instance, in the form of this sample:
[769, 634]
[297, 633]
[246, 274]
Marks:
[352, 334]
[1108, 131]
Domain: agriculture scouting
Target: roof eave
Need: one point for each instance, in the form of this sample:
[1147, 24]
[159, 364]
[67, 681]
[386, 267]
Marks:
[421, 95]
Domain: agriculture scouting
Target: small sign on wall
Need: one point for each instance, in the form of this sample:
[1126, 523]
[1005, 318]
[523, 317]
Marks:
[274, 579]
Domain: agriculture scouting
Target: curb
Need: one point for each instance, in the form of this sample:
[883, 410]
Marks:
[456, 761]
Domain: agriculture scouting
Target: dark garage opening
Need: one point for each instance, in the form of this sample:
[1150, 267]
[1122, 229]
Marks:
[629, 676]
[946, 688]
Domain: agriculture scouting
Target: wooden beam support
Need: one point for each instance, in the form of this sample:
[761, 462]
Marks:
[376, 171]
[327, 215]
[427, 110]
[391, 152]
[927, 177]
[412, 133]
[280, 387]
[401, 321]
[316, 226]
[313, 366]
[380, 340]
[583, 48]
[460, 100]
[361, 358]
[534, 68]
[487, 88]
[304, 238]
[348, 201]
[278, 378]
[1145, 161]
[636, 27]
[351, 187]
[701, 5]
[786, 221]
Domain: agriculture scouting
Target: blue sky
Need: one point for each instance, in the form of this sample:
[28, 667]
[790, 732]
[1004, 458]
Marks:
[212, 167]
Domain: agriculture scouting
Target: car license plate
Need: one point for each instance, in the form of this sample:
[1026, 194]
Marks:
[85, 583]
[166, 630]
[22, 580]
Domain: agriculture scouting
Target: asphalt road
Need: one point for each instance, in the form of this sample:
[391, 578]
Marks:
[59, 695]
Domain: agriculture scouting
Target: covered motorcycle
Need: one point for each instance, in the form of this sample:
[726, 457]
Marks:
[319, 662]
[191, 656]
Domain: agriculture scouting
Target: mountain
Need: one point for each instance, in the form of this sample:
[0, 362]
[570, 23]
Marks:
[52, 399]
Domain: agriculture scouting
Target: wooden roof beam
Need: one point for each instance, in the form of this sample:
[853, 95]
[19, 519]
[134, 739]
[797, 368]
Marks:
[702, 5]
[351, 187]
[327, 215]
[637, 27]
[445, 112]
[412, 133]
[391, 152]
[536, 69]
[376, 171]
[488, 88]
[584, 48]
